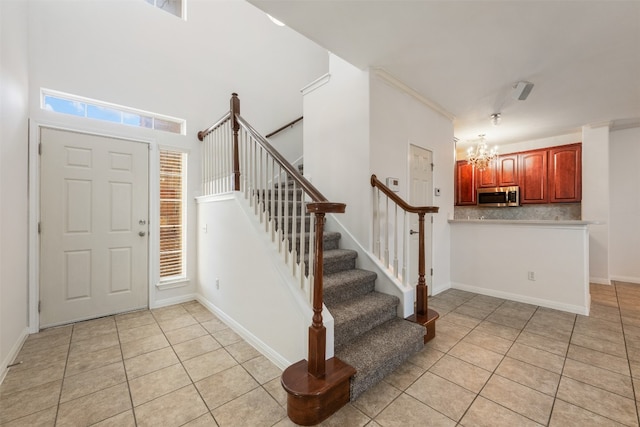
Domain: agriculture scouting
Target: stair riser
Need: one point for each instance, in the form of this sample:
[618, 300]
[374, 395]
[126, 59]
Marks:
[337, 295]
[345, 333]
[361, 383]
[335, 266]
[329, 242]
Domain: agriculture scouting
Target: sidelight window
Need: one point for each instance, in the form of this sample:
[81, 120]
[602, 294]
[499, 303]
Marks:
[172, 215]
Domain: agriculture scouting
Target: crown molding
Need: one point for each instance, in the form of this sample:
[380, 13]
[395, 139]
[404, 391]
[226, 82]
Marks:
[398, 84]
[317, 83]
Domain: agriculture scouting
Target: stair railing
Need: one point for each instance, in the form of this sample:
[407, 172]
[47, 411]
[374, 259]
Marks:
[389, 245]
[237, 158]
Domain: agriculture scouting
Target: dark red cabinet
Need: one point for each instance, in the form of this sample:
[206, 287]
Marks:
[565, 174]
[465, 184]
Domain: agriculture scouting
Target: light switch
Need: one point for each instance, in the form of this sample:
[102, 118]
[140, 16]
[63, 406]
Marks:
[436, 191]
[393, 184]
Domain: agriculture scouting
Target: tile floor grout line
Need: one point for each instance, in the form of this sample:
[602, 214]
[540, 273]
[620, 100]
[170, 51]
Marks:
[564, 362]
[126, 374]
[626, 349]
[494, 371]
[64, 373]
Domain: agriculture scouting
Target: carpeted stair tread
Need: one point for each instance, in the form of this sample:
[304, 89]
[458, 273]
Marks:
[357, 316]
[330, 240]
[337, 260]
[380, 351]
[347, 284]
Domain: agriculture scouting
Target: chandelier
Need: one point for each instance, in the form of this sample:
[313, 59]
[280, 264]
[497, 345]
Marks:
[481, 156]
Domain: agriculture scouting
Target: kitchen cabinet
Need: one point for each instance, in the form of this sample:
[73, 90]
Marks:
[465, 184]
[501, 172]
[507, 170]
[546, 175]
[565, 173]
[532, 168]
[487, 177]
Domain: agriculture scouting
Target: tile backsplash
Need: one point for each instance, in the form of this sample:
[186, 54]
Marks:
[556, 211]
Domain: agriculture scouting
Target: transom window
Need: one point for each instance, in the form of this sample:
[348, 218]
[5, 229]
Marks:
[66, 103]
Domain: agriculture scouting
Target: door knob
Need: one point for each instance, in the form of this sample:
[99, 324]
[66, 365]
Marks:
[141, 233]
[411, 232]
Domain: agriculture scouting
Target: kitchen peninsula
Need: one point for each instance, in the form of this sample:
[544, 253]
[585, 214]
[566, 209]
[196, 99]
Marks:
[541, 262]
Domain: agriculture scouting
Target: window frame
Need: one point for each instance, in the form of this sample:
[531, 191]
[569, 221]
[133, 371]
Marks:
[182, 277]
[156, 120]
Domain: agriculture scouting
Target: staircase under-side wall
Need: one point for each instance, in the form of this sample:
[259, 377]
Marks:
[368, 335]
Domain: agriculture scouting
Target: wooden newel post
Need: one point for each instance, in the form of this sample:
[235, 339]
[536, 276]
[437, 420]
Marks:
[317, 331]
[235, 109]
[421, 288]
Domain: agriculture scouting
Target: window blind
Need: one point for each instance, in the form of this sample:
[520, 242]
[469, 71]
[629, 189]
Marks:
[171, 214]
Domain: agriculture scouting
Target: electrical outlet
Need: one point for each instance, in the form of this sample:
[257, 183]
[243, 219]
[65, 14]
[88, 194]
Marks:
[531, 275]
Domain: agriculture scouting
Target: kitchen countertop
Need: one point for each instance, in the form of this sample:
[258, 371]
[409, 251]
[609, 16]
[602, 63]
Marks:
[550, 222]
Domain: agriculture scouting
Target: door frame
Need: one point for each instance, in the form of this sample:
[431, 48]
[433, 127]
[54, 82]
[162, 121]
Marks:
[34, 206]
[428, 226]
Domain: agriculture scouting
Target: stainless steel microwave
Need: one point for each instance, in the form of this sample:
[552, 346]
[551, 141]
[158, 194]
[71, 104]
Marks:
[499, 196]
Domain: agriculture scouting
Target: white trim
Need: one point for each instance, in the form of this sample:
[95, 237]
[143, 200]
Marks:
[628, 279]
[525, 299]
[181, 299]
[599, 280]
[173, 283]
[386, 281]
[435, 290]
[120, 108]
[13, 353]
[317, 83]
[260, 345]
[34, 206]
[398, 84]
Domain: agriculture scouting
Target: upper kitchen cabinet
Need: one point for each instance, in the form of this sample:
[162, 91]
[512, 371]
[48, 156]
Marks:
[465, 184]
[565, 173]
[488, 177]
[501, 172]
[507, 170]
[533, 176]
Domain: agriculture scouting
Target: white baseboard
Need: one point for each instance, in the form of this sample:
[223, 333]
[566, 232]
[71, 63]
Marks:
[525, 299]
[435, 290]
[627, 279]
[599, 280]
[12, 354]
[260, 345]
[174, 300]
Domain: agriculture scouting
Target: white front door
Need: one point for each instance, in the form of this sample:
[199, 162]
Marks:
[421, 191]
[94, 210]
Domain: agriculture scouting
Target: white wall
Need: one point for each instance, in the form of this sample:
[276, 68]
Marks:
[336, 142]
[356, 124]
[595, 199]
[129, 53]
[14, 92]
[624, 232]
[244, 280]
[494, 258]
[397, 120]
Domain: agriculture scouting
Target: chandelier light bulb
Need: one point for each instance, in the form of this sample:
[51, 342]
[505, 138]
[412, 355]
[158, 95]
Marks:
[496, 118]
[482, 156]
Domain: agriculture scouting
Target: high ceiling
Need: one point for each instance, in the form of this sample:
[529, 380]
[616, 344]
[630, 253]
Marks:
[583, 57]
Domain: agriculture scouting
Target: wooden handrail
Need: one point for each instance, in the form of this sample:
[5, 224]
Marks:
[375, 182]
[280, 129]
[421, 288]
[320, 201]
[203, 133]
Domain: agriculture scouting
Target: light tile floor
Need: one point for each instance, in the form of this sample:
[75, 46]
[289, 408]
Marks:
[493, 363]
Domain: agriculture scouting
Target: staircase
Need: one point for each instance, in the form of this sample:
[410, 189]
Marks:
[368, 335]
